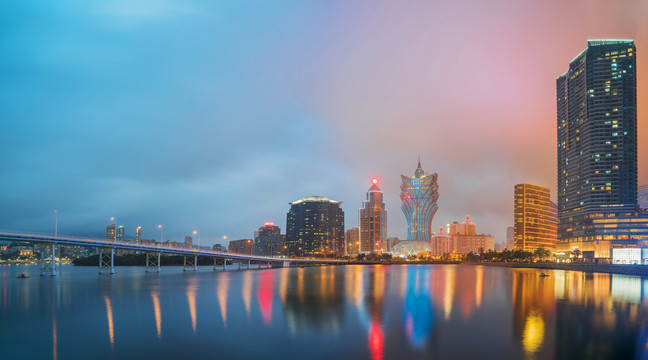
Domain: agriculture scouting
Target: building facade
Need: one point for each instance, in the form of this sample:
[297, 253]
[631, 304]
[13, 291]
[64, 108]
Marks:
[464, 238]
[596, 105]
[138, 234]
[419, 195]
[188, 242]
[268, 240]
[642, 197]
[111, 232]
[352, 241]
[119, 236]
[534, 218]
[315, 227]
[243, 246]
[373, 221]
[441, 243]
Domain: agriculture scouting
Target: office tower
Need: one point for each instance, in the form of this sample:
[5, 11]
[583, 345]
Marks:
[188, 242]
[352, 241]
[419, 195]
[120, 233]
[111, 232]
[268, 241]
[138, 234]
[373, 221]
[243, 246]
[464, 238]
[642, 197]
[596, 107]
[534, 218]
[315, 226]
[510, 238]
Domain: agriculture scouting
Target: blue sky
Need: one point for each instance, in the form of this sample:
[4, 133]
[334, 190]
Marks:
[214, 115]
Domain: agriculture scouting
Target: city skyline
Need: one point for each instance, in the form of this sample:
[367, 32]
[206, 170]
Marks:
[110, 138]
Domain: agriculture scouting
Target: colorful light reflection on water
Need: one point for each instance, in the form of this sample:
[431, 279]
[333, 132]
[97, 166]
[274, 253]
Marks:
[359, 312]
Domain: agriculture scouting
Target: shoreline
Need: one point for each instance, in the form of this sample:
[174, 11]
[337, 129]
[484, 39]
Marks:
[636, 270]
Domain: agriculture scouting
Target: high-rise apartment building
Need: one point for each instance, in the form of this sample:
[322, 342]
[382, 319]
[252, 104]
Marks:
[510, 238]
[534, 218]
[596, 103]
[419, 195]
[188, 242]
[243, 246]
[138, 234]
[352, 241]
[373, 221]
[120, 233]
[315, 226]
[111, 232]
[268, 240]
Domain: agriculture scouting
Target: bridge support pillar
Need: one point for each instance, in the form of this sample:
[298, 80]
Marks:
[190, 261]
[48, 259]
[107, 260]
[153, 261]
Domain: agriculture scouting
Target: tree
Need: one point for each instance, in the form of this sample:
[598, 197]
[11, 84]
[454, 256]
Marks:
[542, 253]
[576, 253]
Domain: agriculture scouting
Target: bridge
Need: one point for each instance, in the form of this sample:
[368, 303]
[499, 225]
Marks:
[47, 249]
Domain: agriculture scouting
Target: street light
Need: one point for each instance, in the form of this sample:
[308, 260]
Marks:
[195, 232]
[56, 223]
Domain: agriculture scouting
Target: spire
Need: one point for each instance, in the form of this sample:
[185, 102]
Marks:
[419, 171]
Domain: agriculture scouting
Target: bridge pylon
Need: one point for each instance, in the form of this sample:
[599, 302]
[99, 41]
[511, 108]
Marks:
[153, 261]
[47, 259]
[190, 262]
[107, 260]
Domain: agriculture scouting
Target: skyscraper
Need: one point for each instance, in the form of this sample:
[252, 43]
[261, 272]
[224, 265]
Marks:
[315, 226]
[419, 195]
[352, 240]
[120, 233]
[111, 232]
[534, 218]
[138, 234]
[596, 106]
[373, 221]
[268, 240]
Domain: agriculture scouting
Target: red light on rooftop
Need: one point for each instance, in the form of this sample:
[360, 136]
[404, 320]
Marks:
[374, 181]
[268, 223]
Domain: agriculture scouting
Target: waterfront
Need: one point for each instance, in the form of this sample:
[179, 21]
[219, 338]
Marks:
[345, 312]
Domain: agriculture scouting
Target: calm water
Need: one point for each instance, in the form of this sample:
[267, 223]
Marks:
[352, 312]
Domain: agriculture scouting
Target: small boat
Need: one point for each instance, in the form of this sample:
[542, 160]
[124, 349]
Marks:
[22, 276]
[544, 275]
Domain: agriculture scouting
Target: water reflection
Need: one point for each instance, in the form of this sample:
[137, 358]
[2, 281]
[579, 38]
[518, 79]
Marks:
[158, 314]
[375, 312]
[111, 328]
[191, 300]
[223, 287]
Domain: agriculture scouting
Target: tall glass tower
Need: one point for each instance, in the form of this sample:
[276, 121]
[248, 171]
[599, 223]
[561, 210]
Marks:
[419, 195]
[596, 103]
[315, 226]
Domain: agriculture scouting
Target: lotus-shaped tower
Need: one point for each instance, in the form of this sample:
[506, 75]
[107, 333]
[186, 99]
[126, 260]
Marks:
[419, 195]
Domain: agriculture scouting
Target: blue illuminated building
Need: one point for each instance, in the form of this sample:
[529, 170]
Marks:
[419, 195]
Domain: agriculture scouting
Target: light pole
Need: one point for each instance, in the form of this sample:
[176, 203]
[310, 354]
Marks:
[195, 232]
[161, 234]
[55, 223]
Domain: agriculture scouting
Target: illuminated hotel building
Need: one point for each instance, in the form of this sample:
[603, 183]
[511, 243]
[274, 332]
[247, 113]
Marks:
[352, 241]
[596, 103]
[534, 218]
[373, 221]
[464, 238]
[315, 226]
[268, 240]
[419, 195]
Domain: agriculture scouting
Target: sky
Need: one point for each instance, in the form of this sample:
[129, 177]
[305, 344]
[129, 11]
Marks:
[214, 115]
